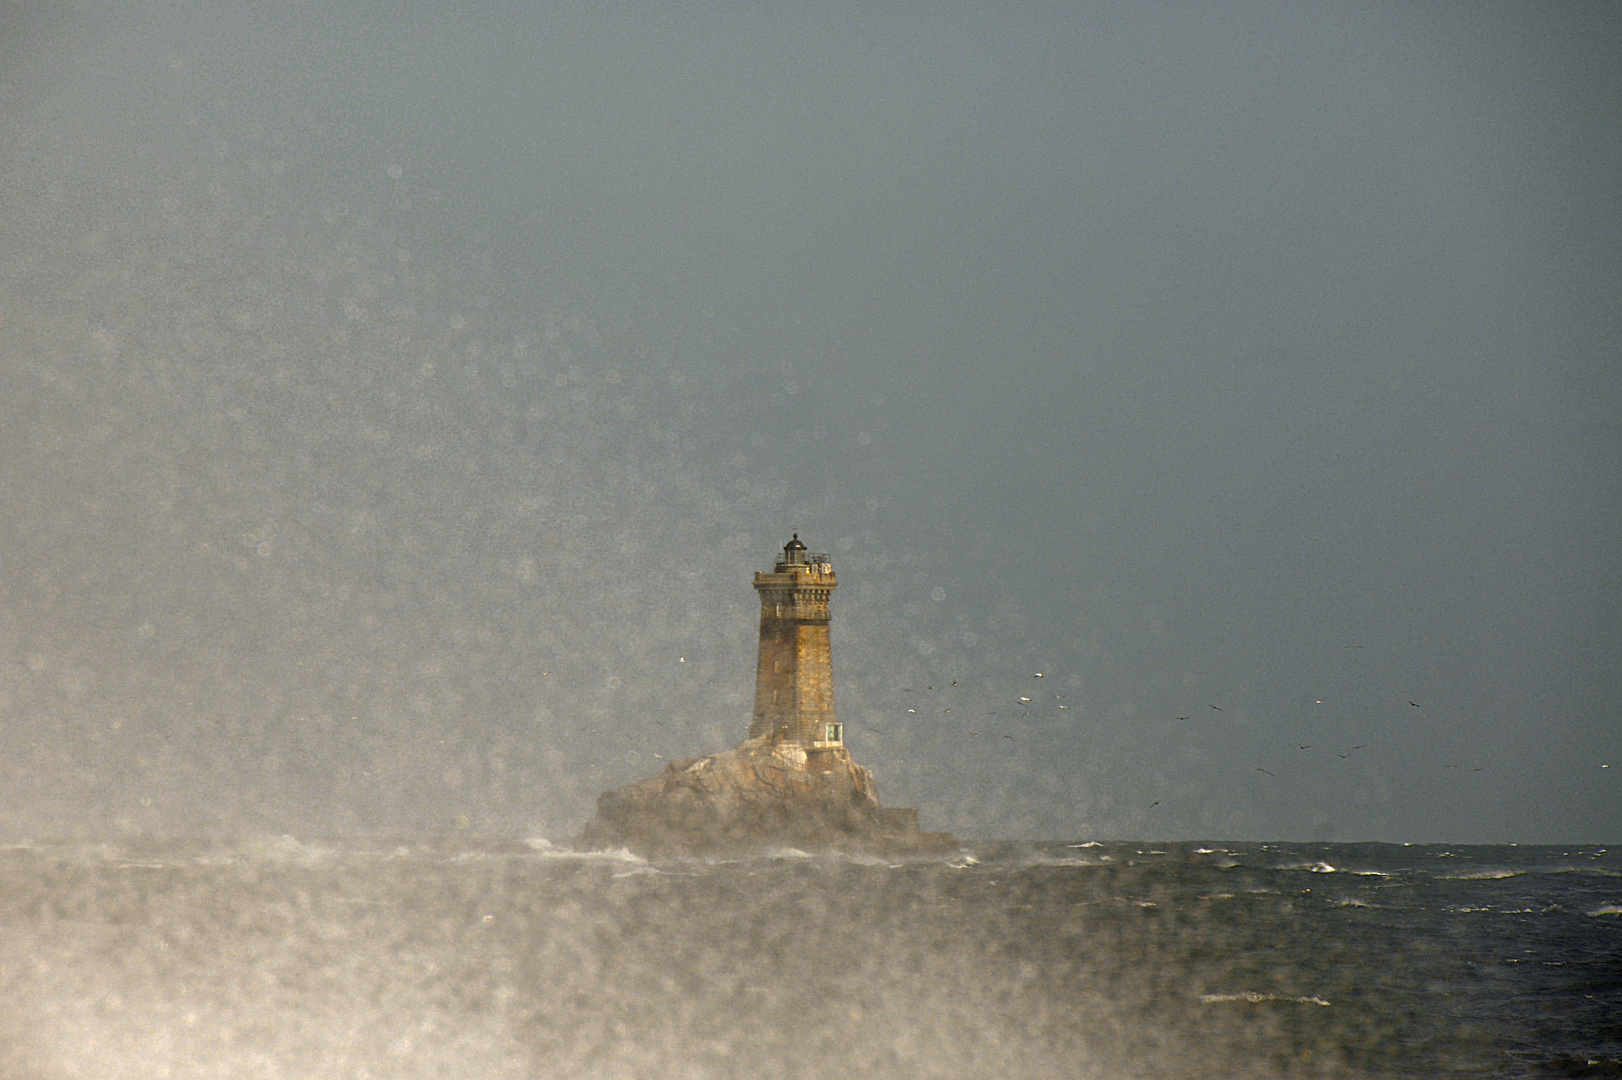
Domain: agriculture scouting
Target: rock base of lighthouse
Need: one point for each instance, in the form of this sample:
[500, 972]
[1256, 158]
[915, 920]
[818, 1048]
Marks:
[755, 796]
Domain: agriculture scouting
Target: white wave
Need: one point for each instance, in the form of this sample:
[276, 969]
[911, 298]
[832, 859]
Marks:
[862, 858]
[1061, 861]
[1607, 909]
[1482, 875]
[285, 849]
[963, 862]
[636, 870]
[545, 849]
[1254, 998]
[1090, 843]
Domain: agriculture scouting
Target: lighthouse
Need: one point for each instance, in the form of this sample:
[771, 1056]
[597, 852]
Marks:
[794, 678]
[792, 781]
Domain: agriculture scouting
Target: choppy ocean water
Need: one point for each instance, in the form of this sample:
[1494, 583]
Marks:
[279, 958]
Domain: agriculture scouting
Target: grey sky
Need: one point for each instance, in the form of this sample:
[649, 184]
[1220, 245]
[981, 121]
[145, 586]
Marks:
[401, 399]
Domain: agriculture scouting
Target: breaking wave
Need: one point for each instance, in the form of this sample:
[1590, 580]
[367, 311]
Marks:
[1255, 997]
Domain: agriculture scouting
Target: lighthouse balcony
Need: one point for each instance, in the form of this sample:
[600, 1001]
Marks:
[818, 565]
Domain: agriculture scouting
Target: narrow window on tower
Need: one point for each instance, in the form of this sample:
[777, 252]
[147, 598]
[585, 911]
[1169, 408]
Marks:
[836, 732]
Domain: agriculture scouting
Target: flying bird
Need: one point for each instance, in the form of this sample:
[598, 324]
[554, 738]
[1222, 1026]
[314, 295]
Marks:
[1308, 746]
[1214, 707]
[1260, 769]
[1154, 804]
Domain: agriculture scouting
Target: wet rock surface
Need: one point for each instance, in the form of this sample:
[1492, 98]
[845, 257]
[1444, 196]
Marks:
[757, 795]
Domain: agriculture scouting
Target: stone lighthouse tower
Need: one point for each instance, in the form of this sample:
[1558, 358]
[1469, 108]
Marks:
[794, 679]
[792, 781]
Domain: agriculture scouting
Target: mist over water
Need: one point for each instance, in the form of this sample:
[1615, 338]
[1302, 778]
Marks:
[1045, 960]
[1212, 417]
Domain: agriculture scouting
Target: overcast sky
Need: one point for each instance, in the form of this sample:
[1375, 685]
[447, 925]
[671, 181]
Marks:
[398, 398]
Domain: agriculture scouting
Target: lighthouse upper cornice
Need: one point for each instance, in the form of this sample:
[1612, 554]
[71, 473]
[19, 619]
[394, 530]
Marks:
[798, 587]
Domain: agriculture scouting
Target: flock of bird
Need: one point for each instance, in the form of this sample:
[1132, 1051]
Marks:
[1021, 706]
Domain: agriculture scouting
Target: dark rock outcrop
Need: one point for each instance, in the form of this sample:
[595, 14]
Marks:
[757, 795]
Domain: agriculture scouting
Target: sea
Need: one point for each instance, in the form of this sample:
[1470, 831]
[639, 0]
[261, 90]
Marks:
[281, 957]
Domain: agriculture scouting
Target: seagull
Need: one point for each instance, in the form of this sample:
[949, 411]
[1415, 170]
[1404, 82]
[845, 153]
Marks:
[1024, 699]
[1038, 675]
[1260, 769]
[1306, 747]
[1214, 707]
[1154, 804]
[1185, 718]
